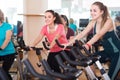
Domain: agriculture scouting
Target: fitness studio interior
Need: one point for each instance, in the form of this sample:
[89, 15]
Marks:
[34, 36]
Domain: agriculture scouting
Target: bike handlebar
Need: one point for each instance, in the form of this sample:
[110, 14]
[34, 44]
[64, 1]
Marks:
[62, 46]
[45, 46]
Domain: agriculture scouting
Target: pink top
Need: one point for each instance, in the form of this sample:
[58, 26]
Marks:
[50, 36]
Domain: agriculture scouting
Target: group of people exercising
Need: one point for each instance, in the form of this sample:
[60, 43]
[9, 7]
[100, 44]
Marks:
[56, 27]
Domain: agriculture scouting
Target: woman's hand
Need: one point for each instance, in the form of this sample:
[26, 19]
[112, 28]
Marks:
[87, 46]
[65, 45]
[30, 47]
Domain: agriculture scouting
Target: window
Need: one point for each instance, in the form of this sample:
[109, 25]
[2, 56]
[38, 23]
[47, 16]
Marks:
[11, 9]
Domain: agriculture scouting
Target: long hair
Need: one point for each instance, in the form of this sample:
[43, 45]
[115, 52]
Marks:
[103, 8]
[1, 16]
[55, 14]
[66, 19]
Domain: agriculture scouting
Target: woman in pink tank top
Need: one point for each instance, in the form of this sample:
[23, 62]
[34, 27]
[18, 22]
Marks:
[53, 29]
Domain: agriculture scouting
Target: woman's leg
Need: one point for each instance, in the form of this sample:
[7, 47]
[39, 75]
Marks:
[7, 63]
[114, 66]
[53, 62]
[69, 54]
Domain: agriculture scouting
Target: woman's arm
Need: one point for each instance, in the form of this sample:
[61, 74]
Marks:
[53, 42]
[83, 33]
[37, 40]
[107, 27]
[60, 31]
[7, 39]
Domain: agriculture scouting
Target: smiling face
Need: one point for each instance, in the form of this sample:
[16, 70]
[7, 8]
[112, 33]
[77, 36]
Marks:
[49, 18]
[95, 12]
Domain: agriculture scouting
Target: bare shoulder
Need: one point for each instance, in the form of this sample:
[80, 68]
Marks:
[109, 20]
[109, 24]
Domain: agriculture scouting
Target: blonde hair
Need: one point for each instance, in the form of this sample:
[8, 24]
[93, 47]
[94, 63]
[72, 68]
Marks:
[71, 20]
[1, 16]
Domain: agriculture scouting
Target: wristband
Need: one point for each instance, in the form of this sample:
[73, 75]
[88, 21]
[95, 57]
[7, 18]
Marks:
[88, 45]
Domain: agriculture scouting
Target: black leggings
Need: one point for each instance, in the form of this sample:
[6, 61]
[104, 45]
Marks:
[53, 62]
[7, 63]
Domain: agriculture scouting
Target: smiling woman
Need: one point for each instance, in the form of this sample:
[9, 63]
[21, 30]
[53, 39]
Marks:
[53, 29]
[103, 28]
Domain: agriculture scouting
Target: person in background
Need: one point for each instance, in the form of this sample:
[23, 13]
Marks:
[72, 25]
[7, 50]
[69, 32]
[103, 28]
[69, 35]
[19, 29]
[53, 29]
[117, 24]
[117, 21]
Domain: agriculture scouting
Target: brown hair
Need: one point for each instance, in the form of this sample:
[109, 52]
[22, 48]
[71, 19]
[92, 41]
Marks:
[103, 8]
[55, 14]
[1, 16]
[66, 19]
